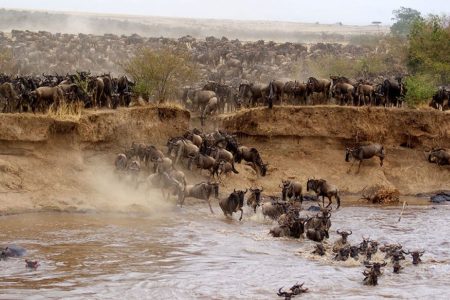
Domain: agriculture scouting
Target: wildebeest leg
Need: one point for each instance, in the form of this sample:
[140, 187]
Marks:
[209, 203]
[359, 166]
[381, 161]
[348, 171]
[241, 213]
[329, 201]
[323, 201]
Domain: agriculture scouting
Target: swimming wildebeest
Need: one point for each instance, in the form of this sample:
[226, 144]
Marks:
[274, 209]
[202, 190]
[233, 203]
[364, 152]
[375, 266]
[342, 253]
[416, 256]
[295, 290]
[254, 199]
[12, 251]
[323, 188]
[342, 242]
[370, 277]
[291, 189]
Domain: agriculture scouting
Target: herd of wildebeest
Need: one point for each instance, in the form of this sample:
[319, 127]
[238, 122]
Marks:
[42, 92]
[217, 153]
[240, 74]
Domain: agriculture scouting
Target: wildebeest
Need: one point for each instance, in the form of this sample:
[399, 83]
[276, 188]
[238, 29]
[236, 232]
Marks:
[370, 277]
[254, 199]
[441, 98]
[233, 203]
[315, 85]
[439, 156]
[343, 253]
[364, 152]
[9, 100]
[12, 251]
[202, 190]
[375, 266]
[274, 209]
[251, 155]
[416, 256]
[342, 241]
[203, 162]
[121, 162]
[45, 96]
[291, 189]
[317, 235]
[393, 91]
[323, 188]
[295, 290]
[30, 264]
[250, 93]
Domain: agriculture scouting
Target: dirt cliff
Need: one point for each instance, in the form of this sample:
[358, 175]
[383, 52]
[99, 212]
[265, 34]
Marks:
[51, 164]
[306, 142]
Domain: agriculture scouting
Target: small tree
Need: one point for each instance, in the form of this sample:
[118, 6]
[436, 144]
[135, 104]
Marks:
[160, 73]
[404, 20]
[429, 47]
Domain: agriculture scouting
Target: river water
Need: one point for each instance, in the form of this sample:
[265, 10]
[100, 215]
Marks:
[190, 254]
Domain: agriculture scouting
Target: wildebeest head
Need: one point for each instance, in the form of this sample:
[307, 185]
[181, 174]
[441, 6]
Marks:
[348, 154]
[263, 169]
[416, 256]
[344, 235]
[376, 266]
[285, 188]
[257, 194]
[240, 194]
[343, 254]
[364, 244]
[354, 252]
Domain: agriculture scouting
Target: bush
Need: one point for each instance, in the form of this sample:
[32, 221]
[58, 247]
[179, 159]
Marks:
[160, 73]
[419, 89]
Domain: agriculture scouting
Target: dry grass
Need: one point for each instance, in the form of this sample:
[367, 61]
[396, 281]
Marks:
[381, 195]
[66, 111]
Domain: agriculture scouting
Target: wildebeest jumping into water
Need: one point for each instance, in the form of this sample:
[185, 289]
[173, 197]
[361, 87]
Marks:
[324, 189]
[364, 152]
[233, 203]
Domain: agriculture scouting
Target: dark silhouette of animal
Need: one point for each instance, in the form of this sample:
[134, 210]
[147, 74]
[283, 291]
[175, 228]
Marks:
[12, 251]
[441, 98]
[202, 190]
[439, 156]
[252, 93]
[317, 235]
[295, 290]
[393, 91]
[370, 277]
[416, 255]
[30, 264]
[233, 203]
[323, 188]
[342, 254]
[364, 152]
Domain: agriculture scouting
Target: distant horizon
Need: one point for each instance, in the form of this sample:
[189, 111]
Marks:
[356, 13]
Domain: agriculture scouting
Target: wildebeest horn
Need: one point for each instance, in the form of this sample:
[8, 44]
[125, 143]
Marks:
[384, 263]
[422, 252]
[245, 191]
[338, 231]
[262, 189]
[234, 190]
[350, 232]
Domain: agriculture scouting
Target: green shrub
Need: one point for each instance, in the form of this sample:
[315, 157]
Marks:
[419, 89]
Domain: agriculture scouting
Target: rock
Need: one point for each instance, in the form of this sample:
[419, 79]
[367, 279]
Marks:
[440, 198]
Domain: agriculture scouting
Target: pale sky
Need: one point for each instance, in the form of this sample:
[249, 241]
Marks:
[357, 12]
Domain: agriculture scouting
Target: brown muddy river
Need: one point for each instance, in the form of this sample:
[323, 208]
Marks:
[190, 254]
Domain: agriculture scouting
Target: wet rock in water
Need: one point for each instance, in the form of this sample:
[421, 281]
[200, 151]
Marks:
[309, 198]
[313, 208]
[440, 198]
[13, 251]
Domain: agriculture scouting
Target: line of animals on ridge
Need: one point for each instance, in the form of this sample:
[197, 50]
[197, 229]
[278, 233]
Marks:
[39, 93]
[285, 210]
[215, 97]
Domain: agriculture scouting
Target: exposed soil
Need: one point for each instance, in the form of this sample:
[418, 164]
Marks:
[48, 164]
